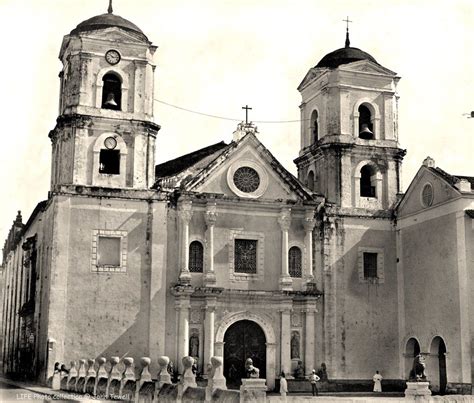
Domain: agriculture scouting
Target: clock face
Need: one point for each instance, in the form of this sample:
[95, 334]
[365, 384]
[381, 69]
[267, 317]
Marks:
[112, 57]
[110, 143]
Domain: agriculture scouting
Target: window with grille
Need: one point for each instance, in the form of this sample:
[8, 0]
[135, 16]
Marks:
[294, 262]
[245, 256]
[109, 253]
[370, 265]
[196, 257]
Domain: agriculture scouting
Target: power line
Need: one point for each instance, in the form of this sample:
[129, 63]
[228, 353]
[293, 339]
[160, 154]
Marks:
[223, 117]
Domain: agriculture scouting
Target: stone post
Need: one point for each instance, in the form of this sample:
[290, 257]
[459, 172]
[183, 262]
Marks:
[128, 377]
[309, 223]
[163, 374]
[216, 379]
[182, 306]
[285, 347]
[101, 374]
[189, 379]
[185, 213]
[285, 221]
[145, 394]
[114, 379]
[91, 374]
[211, 218]
[309, 338]
[81, 376]
[72, 377]
[145, 375]
[209, 330]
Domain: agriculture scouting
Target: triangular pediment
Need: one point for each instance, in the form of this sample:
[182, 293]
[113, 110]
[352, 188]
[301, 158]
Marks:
[114, 34]
[313, 74]
[247, 170]
[367, 66]
[414, 199]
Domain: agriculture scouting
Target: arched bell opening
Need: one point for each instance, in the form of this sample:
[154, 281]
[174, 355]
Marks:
[112, 92]
[366, 127]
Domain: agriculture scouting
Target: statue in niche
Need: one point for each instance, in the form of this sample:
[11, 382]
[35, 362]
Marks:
[295, 345]
[322, 372]
[299, 371]
[194, 346]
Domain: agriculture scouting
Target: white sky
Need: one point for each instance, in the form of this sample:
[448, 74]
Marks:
[215, 56]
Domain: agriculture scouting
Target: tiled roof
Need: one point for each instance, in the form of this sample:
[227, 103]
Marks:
[452, 179]
[177, 165]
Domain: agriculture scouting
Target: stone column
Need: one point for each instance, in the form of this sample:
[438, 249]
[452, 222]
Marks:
[285, 347]
[309, 223]
[310, 310]
[285, 221]
[182, 307]
[211, 218]
[209, 331]
[185, 214]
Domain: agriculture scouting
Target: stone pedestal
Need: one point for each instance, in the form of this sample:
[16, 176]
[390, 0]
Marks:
[253, 390]
[417, 390]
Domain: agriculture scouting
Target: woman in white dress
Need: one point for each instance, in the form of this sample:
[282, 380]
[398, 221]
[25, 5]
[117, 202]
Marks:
[377, 382]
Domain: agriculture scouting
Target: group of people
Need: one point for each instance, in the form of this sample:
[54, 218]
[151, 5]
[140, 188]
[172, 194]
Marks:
[314, 378]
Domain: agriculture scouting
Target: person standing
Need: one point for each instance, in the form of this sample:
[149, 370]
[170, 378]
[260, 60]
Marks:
[313, 378]
[283, 385]
[377, 378]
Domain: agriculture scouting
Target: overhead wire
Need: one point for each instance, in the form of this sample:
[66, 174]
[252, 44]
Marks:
[223, 117]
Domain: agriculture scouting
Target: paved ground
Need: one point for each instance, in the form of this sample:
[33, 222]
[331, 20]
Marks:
[17, 392]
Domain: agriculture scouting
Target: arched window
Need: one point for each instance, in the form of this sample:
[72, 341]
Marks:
[112, 92]
[314, 127]
[310, 180]
[366, 128]
[196, 257]
[294, 262]
[368, 181]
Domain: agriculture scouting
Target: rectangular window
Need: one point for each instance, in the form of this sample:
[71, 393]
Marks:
[245, 256]
[108, 254]
[370, 265]
[109, 162]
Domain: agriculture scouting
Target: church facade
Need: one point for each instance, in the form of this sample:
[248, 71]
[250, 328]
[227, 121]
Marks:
[223, 252]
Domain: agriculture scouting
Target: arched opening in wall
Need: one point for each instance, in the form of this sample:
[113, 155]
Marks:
[310, 180]
[437, 365]
[295, 262]
[196, 257]
[366, 128]
[244, 339]
[112, 92]
[411, 351]
[314, 127]
[368, 181]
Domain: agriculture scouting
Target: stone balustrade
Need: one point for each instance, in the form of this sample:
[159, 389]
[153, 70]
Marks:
[120, 379]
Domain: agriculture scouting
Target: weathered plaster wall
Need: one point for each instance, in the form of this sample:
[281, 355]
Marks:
[366, 314]
[430, 271]
[94, 314]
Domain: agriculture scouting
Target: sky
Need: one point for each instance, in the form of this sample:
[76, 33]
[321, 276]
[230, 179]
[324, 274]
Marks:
[215, 56]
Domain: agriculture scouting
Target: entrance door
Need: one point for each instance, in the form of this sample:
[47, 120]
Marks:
[243, 339]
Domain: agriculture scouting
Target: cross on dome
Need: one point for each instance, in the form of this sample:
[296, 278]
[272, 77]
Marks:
[347, 21]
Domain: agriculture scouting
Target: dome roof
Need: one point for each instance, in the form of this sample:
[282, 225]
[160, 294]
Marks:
[343, 56]
[106, 21]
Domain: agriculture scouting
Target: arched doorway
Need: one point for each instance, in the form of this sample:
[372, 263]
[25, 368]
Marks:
[411, 351]
[437, 365]
[243, 339]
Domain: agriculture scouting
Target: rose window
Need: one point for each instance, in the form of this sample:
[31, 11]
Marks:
[246, 179]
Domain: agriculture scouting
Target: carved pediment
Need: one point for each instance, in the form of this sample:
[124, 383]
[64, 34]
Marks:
[367, 66]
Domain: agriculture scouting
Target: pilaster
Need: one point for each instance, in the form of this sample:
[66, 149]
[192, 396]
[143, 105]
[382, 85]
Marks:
[285, 222]
[185, 214]
[210, 218]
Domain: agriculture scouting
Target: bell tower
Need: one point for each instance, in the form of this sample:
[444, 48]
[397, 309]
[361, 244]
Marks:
[105, 134]
[349, 131]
